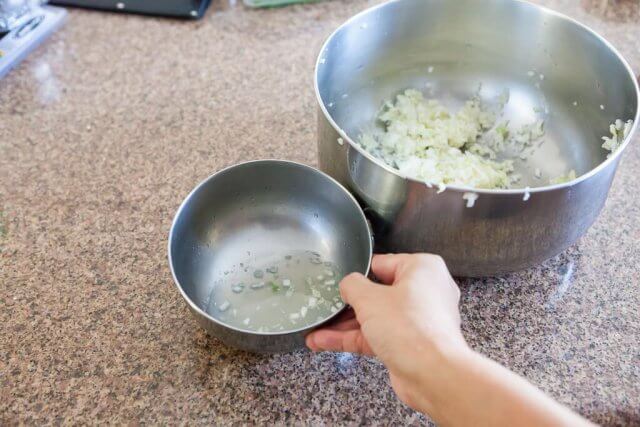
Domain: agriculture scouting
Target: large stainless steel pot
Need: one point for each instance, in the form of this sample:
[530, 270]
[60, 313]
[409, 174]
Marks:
[548, 62]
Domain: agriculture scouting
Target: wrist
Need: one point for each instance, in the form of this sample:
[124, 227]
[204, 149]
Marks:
[437, 362]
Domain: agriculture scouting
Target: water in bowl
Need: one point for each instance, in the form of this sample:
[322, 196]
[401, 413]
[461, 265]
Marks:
[279, 293]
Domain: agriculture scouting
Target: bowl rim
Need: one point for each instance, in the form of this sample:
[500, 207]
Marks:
[462, 188]
[212, 177]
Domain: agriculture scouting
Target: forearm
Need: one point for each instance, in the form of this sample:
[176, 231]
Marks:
[460, 387]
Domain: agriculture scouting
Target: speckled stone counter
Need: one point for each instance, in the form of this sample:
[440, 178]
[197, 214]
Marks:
[104, 130]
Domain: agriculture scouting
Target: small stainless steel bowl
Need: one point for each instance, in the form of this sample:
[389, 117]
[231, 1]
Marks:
[262, 207]
[555, 68]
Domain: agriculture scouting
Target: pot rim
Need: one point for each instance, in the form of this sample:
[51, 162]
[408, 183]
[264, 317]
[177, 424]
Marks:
[461, 188]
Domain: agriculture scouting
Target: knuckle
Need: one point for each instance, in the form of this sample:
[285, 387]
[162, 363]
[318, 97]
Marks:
[437, 260]
[439, 263]
[431, 260]
[433, 266]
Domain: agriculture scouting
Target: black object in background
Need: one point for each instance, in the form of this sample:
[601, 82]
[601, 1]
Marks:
[177, 8]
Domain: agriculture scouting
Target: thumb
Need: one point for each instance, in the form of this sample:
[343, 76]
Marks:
[356, 290]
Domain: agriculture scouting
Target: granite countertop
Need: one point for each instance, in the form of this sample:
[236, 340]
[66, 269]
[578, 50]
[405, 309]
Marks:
[104, 130]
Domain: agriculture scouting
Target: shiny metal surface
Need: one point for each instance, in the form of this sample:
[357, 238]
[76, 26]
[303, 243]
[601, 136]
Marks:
[262, 207]
[549, 63]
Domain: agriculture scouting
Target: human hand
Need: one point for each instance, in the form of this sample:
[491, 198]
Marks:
[414, 318]
[413, 327]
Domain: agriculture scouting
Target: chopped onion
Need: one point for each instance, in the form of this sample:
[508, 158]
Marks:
[470, 198]
[423, 140]
[619, 132]
[570, 176]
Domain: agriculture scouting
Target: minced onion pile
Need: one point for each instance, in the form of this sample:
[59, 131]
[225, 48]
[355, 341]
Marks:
[423, 140]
